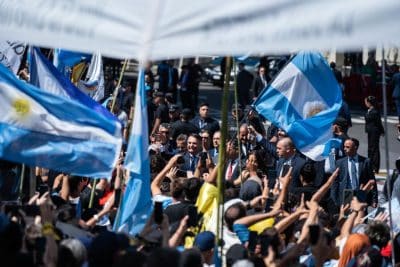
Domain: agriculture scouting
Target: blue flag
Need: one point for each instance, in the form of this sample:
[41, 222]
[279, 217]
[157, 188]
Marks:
[64, 60]
[45, 76]
[42, 129]
[303, 100]
[136, 205]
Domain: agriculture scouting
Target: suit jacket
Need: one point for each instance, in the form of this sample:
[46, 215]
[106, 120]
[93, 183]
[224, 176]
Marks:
[297, 163]
[214, 155]
[259, 85]
[343, 180]
[186, 165]
[211, 124]
[236, 169]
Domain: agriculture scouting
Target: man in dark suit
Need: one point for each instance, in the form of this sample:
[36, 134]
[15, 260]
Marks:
[244, 82]
[191, 156]
[354, 171]
[204, 121]
[234, 164]
[288, 157]
[213, 152]
[183, 126]
[261, 81]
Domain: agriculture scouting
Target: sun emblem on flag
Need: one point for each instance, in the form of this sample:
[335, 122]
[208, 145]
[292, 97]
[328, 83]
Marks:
[21, 106]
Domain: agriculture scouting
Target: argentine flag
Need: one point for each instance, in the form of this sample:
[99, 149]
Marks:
[136, 205]
[46, 77]
[303, 100]
[41, 129]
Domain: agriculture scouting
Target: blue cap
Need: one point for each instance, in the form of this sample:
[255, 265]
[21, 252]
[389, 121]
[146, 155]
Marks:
[205, 241]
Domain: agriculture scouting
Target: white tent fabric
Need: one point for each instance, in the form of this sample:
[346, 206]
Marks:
[159, 29]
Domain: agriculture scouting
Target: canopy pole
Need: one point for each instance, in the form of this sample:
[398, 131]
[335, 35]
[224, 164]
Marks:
[388, 185]
[221, 158]
[235, 93]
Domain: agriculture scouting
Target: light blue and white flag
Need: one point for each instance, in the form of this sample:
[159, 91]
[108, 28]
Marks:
[11, 54]
[45, 76]
[136, 205]
[303, 100]
[94, 84]
[42, 129]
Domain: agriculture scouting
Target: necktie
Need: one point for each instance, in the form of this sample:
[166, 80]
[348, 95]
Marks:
[192, 163]
[354, 180]
[230, 170]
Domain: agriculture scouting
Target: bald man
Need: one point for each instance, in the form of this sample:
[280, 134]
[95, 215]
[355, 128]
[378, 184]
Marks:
[288, 157]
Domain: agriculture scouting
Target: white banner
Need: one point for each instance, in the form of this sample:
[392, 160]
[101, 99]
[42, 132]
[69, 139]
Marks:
[11, 54]
[174, 28]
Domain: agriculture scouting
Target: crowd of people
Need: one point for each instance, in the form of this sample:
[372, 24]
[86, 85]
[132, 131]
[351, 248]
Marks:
[279, 208]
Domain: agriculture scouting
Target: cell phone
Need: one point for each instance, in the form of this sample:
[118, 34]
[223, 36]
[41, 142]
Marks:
[285, 169]
[158, 212]
[192, 212]
[253, 239]
[347, 196]
[181, 173]
[314, 234]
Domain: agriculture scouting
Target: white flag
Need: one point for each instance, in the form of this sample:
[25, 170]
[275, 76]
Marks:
[94, 84]
[11, 54]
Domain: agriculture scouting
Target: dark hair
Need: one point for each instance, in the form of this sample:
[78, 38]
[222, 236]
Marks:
[195, 135]
[372, 100]
[378, 233]
[370, 257]
[177, 187]
[355, 141]
[191, 188]
[204, 104]
[191, 258]
[308, 172]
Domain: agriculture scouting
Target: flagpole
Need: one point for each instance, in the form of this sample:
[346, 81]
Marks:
[115, 94]
[92, 193]
[21, 182]
[221, 157]
[388, 185]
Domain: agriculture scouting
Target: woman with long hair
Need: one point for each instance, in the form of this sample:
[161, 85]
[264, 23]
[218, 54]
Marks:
[355, 244]
[374, 129]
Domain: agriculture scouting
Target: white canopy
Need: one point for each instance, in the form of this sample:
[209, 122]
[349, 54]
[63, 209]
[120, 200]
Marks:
[159, 29]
